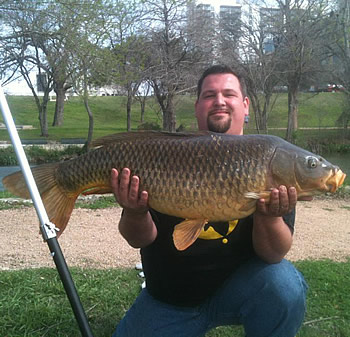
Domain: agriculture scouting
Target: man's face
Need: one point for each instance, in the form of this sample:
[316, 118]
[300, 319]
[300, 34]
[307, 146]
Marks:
[221, 106]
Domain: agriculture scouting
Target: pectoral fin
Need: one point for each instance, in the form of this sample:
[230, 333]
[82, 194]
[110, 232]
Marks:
[258, 195]
[253, 196]
[187, 232]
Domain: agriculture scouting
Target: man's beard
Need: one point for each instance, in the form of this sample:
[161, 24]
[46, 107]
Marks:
[218, 125]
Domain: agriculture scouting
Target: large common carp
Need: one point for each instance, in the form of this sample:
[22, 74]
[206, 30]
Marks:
[200, 177]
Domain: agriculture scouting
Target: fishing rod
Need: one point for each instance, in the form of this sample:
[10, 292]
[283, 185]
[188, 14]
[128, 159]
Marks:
[48, 229]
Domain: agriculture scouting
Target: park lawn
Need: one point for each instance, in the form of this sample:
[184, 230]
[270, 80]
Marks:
[321, 110]
[33, 302]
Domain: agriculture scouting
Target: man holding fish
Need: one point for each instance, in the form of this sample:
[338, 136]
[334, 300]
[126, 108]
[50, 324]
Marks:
[235, 272]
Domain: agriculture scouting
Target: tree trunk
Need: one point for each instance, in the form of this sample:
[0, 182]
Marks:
[169, 117]
[42, 106]
[257, 113]
[59, 107]
[143, 100]
[43, 121]
[292, 114]
[260, 112]
[43, 115]
[166, 104]
[264, 113]
[91, 120]
[128, 111]
[87, 107]
[143, 107]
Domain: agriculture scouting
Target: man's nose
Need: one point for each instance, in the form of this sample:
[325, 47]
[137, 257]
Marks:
[220, 99]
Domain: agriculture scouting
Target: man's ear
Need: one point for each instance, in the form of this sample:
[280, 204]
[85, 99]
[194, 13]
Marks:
[246, 103]
[195, 107]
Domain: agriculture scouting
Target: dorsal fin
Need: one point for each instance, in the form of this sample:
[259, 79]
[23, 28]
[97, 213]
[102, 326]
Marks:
[132, 135]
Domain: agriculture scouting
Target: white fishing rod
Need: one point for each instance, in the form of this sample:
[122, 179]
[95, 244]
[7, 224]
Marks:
[48, 229]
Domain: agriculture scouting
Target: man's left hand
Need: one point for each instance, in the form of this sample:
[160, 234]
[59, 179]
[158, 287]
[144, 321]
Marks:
[282, 201]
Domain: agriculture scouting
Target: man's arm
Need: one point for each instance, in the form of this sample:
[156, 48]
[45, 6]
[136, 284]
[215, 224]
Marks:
[272, 238]
[136, 224]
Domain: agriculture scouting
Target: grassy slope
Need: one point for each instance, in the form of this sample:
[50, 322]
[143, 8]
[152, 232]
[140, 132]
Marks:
[110, 114]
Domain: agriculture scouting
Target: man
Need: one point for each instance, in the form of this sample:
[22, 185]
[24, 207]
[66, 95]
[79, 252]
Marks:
[235, 272]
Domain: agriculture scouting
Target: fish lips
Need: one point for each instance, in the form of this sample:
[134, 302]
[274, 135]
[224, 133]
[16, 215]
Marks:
[336, 180]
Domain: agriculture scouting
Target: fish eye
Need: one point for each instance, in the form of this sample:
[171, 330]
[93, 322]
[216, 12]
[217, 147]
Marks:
[312, 162]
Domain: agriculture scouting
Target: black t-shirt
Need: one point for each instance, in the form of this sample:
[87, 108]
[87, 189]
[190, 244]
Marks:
[187, 278]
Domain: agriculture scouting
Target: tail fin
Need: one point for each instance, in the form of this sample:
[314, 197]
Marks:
[58, 204]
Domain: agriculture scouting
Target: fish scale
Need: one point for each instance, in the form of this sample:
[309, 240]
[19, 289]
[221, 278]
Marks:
[199, 177]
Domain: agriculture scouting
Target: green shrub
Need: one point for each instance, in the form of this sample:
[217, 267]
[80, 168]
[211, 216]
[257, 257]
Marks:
[39, 155]
[8, 157]
[149, 126]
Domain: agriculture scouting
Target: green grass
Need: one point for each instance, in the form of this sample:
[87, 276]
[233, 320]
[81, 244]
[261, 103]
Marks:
[109, 117]
[320, 110]
[33, 302]
[95, 202]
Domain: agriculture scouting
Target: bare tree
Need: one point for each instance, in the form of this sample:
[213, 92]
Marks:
[89, 66]
[301, 46]
[170, 58]
[23, 45]
[246, 45]
[339, 46]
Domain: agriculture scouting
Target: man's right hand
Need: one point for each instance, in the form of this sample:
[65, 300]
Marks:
[126, 192]
[136, 224]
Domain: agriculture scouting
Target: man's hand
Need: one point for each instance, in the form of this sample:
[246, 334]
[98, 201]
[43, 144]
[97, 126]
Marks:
[282, 201]
[136, 224]
[126, 192]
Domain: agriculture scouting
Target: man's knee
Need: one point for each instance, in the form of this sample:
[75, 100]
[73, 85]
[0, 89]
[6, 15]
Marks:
[288, 285]
[278, 307]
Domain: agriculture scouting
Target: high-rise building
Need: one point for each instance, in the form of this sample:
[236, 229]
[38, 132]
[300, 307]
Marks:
[230, 21]
[201, 27]
[270, 23]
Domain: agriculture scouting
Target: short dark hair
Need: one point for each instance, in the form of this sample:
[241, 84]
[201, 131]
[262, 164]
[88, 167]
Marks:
[222, 69]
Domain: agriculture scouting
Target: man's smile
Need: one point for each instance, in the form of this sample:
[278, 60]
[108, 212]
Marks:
[219, 112]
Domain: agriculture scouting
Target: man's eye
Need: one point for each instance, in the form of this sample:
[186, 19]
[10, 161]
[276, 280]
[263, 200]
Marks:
[230, 94]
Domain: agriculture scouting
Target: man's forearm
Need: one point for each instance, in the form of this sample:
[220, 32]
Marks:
[272, 238]
[137, 228]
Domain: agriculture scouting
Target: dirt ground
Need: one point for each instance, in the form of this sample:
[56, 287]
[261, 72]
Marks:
[91, 238]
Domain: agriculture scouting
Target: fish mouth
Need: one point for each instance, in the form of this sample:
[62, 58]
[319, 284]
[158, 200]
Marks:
[336, 180]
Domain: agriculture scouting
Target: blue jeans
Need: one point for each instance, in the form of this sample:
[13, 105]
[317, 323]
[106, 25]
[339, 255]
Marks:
[267, 299]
